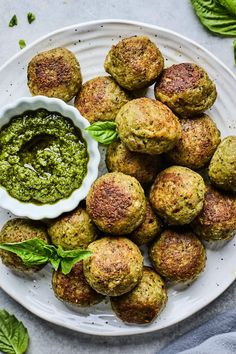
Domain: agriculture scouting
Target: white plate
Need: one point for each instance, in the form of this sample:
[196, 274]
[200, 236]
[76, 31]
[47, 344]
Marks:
[90, 42]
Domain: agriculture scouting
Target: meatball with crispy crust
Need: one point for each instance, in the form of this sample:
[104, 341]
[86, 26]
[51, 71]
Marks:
[116, 203]
[73, 288]
[100, 99]
[148, 229]
[73, 230]
[120, 159]
[222, 169]
[134, 62]
[19, 230]
[177, 195]
[115, 267]
[178, 255]
[217, 220]
[199, 140]
[54, 73]
[186, 88]
[145, 302]
[148, 126]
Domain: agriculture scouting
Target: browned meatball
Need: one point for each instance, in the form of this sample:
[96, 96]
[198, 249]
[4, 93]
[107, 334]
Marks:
[148, 126]
[135, 62]
[177, 195]
[199, 140]
[54, 73]
[178, 255]
[217, 220]
[73, 230]
[142, 304]
[148, 229]
[115, 267]
[186, 88]
[100, 99]
[143, 167]
[73, 288]
[19, 230]
[116, 203]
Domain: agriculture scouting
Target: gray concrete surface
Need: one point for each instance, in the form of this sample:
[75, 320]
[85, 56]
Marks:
[53, 14]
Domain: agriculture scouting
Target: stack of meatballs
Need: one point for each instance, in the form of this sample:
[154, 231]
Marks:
[171, 183]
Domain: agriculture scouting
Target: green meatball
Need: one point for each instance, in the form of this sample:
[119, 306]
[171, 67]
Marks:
[54, 73]
[19, 230]
[178, 255]
[217, 220]
[199, 140]
[73, 289]
[100, 99]
[148, 126]
[148, 229]
[177, 195]
[120, 159]
[116, 203]
[73, 230]
[134, 62]
[142, 304]
[186, 88]
[115, 266]
[222, 169]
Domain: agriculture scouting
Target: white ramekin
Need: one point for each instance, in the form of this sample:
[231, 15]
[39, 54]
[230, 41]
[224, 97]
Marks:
[37, 212]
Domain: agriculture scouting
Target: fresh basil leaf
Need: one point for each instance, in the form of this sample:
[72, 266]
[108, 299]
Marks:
[215, 17]
[234, 51]
[230, 5]
[13, 21]
[103, 132]
[32, 252]
[30, 17]
[22, 43]
[37, 252]
[14, 338]
[70, 257]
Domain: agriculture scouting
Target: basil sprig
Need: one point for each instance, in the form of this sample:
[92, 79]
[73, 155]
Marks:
[103, 132]
[36, 252]
[14, 338]
[217, 18]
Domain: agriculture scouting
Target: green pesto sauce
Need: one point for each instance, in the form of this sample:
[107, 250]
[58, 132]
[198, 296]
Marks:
[43, 157]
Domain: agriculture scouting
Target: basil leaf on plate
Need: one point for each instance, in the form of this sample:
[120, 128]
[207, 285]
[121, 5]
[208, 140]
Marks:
[37, 252]
[103, 132]
[32, 252]
[215, 17]
[14, 338]
[71, 257]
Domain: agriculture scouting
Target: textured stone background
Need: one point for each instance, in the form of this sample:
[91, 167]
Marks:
[176, 15]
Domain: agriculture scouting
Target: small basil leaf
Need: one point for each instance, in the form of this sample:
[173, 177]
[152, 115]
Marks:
[30, 17]
[13, 21]
[215, 17]
[32, 252]
[103, 132]
[14, 338]
[68, 263]
[55, 262]
[22, 43]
